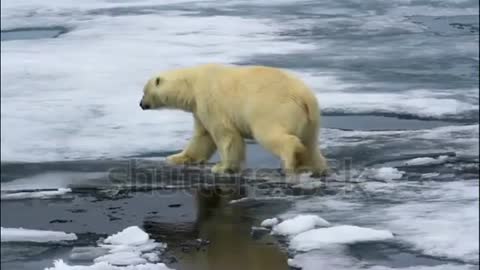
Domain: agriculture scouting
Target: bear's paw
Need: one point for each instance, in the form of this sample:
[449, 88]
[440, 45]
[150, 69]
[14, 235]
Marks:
[223, 169]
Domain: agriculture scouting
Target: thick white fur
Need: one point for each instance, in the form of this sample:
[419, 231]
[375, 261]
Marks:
[230, 103]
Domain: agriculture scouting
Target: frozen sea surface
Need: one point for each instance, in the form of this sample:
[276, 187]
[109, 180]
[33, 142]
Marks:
[397, 82]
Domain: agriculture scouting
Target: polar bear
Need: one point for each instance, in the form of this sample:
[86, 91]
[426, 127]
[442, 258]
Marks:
[231, 103]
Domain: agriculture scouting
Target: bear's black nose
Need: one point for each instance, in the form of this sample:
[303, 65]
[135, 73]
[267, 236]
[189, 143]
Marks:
[144, 106]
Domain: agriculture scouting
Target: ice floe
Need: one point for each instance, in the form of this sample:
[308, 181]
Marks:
[386, 173]
[39, 236]
[35, 194]
[298, 224]
[269, 222]
[341, 234]
[423, 161]
[130, 236]
[61, 265]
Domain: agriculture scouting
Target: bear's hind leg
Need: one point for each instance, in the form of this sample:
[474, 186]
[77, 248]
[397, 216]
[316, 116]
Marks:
[313, 159]
[232, 151]
[288, 147]
[200, 148]
[318, 163]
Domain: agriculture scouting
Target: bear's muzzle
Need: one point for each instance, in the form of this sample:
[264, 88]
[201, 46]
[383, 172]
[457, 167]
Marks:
[144, 106]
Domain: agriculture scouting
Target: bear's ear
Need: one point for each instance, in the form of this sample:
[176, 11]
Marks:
[158, 80]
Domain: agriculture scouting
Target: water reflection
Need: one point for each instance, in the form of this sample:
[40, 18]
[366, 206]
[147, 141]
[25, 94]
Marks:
[227, 228]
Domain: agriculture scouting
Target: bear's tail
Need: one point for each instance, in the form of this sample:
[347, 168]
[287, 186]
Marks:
[312, 110]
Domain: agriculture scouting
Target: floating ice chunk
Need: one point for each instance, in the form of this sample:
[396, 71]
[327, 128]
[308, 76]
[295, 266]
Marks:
[310, 185]
[61, 265]
[151, 257]
[386, 173]
[26, 235]
[334, 257]
[269, 222]
[343, 234]
[128, 247]
[422, 161]
[35, 194]
[147, 246]
[298, 224]
[239, 200]
[86, 253]
[122, 258]
[292, 263]
[130, 236]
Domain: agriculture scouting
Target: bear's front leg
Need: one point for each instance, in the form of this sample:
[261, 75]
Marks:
[200, 148]
[232, 151]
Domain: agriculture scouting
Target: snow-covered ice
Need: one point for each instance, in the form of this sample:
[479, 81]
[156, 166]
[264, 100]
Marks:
[420, 103]
[437, 219]
[298, 224]
[338, 259]
[443, 221]
[78, 110]
[39, 236]
[341, 234]
[98, 116]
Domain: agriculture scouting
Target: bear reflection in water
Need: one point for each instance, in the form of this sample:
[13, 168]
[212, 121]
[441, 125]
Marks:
[220, 238]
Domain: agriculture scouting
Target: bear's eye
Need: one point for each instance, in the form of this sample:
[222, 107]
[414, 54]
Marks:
[157, 81]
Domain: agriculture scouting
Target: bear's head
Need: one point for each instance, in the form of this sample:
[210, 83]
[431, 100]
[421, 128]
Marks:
[168, 90]
[152, 95]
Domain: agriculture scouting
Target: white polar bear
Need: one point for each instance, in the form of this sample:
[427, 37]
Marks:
[230, 103]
